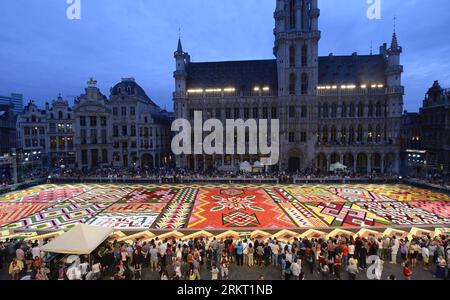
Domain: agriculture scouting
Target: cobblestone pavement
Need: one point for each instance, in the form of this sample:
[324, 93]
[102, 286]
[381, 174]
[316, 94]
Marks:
[274, 273]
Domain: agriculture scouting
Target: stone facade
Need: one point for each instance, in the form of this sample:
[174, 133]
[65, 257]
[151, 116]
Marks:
[435, 126]
[331, 109]
[46, 135]
[125, 130]
[33, 137]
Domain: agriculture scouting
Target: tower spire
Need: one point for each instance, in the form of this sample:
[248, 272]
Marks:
[394, 42]
[180, 46]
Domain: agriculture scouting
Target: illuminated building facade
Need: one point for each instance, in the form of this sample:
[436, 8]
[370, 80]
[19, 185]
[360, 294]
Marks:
[345, 109]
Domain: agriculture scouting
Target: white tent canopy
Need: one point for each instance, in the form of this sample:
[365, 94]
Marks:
[246, 166]
[83, 239]
[337, 167]
[258, 164]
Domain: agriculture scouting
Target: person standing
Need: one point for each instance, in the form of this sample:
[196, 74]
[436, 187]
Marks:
[337, 266]
[224, 268]
[214, 272]
[250, 254]
[287, 270]
[153, 258]
[344, 252]
[267, 254]
[379, 265]
[196, 268]
[296, 270]
[440, 267]
[15, 267]
[325, 271]
[407, 272]
[352, 269]
[239, 254]
[309, 256]
[394, 249]
[425, 256]
[275, 248]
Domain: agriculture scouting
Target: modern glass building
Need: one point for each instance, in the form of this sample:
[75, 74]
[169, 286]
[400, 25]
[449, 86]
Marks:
[16, 100]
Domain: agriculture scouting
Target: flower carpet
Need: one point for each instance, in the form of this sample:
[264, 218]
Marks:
[222, 207]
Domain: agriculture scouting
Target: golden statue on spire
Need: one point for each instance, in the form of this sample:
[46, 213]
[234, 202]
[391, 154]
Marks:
[92, 82]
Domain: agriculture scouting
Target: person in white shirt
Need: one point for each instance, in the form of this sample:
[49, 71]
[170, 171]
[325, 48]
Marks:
[245, 251]
[36, 252]
[379, 269]
[96, 271]
[351, 249]
[394, 249]
[214, 273]
[425, 256]
[289, 256]
[274, 247]
[296, 270]
[73, 273]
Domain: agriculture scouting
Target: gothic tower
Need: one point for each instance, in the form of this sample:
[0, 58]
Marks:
[296, 48]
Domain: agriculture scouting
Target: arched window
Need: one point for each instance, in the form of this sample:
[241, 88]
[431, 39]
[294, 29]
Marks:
[344, 110]
[326, 111]
[333, 134]
[292, 84]
[378, 109]
[359, 137]
[343, 134]
[370, 112]
[304, 56]
[334, 110]
[304, 83]
[351, 135]
[352, 110]
[325, 134]
[370, 134]
[360, 110]
[292, 14]
[60, 115]
[292, 54]
[378, 134]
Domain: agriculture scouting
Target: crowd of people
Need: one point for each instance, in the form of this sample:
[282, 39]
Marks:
[337, 258]
[175, 175]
